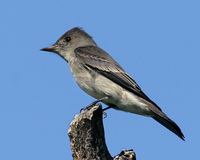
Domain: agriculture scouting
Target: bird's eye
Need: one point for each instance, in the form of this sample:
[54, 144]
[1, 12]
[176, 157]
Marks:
[68, 39]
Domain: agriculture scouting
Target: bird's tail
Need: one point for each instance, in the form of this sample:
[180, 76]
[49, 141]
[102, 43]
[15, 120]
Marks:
[168, 123]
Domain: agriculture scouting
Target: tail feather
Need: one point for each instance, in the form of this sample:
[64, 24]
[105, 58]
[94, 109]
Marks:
[171, 125]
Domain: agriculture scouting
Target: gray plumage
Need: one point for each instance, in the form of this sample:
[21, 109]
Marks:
[99, 75]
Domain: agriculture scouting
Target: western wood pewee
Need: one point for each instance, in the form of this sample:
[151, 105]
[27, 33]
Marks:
[100, 76]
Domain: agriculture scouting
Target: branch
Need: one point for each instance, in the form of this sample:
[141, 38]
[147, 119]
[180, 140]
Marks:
[87, 139]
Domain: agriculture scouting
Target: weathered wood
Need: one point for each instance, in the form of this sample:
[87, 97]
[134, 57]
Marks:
[87, 140]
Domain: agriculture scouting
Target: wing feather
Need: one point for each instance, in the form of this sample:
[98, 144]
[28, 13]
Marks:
[100, 61]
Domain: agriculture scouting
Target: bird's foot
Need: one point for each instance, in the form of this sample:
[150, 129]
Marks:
[93, 104]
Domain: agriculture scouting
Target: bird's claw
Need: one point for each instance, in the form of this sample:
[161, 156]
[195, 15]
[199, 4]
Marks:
[105, 114]
[93, 104]
[88, 107]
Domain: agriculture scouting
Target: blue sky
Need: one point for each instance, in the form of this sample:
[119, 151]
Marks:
[156, 42]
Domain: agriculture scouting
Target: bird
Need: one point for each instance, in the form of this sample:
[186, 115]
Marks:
[100, 76]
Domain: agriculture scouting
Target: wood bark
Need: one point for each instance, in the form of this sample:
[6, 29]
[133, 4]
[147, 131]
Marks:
[87, 140]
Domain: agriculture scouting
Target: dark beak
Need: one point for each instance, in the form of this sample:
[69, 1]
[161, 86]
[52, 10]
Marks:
[49, 49]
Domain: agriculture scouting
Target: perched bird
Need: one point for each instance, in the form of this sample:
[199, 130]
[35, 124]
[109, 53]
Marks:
[100, 76]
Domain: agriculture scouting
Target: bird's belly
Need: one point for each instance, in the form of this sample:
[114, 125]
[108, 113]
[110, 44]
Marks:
[99, 86]
[95, 84]
[131, 103]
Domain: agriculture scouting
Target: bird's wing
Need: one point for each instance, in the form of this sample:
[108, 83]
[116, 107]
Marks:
[100, 61]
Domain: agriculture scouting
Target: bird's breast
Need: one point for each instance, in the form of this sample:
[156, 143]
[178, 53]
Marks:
[99, 86]
[93, 83]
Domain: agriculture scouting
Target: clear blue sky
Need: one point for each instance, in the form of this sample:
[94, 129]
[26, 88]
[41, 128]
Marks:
[156, 42]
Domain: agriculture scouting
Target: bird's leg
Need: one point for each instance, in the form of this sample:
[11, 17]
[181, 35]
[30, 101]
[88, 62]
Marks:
[104, 113]
[107, 108]
[93, 103]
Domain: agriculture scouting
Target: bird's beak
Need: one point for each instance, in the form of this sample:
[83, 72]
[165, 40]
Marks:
[49, 49]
